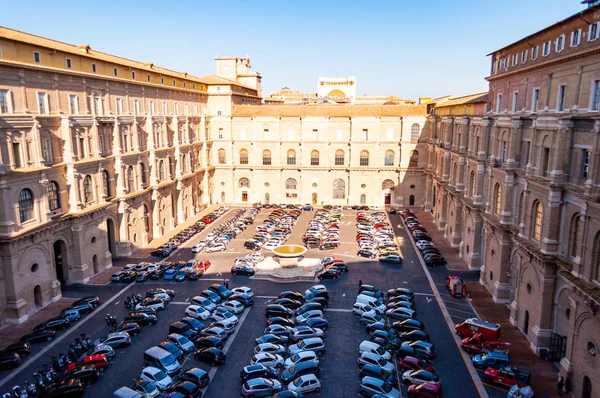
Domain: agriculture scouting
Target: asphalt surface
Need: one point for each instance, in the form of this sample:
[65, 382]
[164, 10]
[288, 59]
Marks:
[339, 370]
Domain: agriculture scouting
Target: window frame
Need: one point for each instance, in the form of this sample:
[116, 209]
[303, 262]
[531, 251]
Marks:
[53, 196]
[46, 105]
[524, 56]
[363, 160]
[535, 97]
[546, 48]
[585, 163]
[560, 97]
[88, 189]
[315, 158]
[7, 103]
[535, 52]
[69, 63]
[267, 161]
[515, 103]
[221, 156]
[386, 161]
[37, 57]
[243, 156]
[115, 71]
[291, 160]
[94, 68]
[339, 161]
[559, 43]
[576, 39]
[46, 144]
[538, 221]
[26, 213]
[593, 28]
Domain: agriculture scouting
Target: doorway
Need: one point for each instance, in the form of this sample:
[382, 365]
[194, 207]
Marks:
[388, 199]
[411, 200]
[267, 198]
[222, 197]
[363, 199]
[586, 391]
[60, 261]
[95, 263]
[110, 232]
[314, 198]
[37, 296]
[244, 196]
[526, 323]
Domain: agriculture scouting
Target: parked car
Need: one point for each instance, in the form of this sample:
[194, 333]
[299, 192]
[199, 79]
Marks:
[371, 386]
[23, 349]
[157, 376]
[210, 355]
[260, 387]
[196, 376]
[114, 340]
[196, 311]
[58, 323]
[38, 337]
[9, 361]
[267, 359]
[420, 377]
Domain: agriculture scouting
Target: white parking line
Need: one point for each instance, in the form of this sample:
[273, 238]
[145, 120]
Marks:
[266, 297]
[179, 303]
[424, 294]
[337, 309]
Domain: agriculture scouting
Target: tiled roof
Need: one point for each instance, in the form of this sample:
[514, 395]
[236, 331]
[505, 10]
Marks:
[467, 99]
[213, 79]
[329, 110]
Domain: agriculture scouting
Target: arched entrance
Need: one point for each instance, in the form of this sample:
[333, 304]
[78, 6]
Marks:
[110, 234]
[60, 261]
[586, 390]
[387, 187]
[267, 198]
[411, 200]
[363, 199]
[526, 323]
[314, 198]
[95, 263]
[222, 197]
[37, 296]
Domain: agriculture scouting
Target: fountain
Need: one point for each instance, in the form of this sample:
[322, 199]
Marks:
[288, 264]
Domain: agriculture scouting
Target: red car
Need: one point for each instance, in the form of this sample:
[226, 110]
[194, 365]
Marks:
[425, 390]
[381, 225]
[99, 361]
[207, 220]
[412, 363]
[204, 265]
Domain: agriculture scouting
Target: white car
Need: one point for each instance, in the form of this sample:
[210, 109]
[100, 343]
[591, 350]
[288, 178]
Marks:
[264, 358]
[270, 348]
[204, 302]
[220, 316]
[225, 324]
[309, 315]
[157, 305]
[216, 247]
[152, 267]
[258, 257]
[373, 348]
[163, 296]
[243, 290]
[196, 311]
[272, 244]
[305, 383]
[157, 376]
[420, 377]
[197, 248]
[302, 356]
[315, 289]
[234, 306]
[422, 244]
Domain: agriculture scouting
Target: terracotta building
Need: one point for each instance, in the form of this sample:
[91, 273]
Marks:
[515, 185]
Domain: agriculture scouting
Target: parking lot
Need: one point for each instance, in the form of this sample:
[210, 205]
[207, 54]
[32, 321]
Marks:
[339, 370]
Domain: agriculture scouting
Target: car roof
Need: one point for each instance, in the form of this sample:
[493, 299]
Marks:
[372, 380]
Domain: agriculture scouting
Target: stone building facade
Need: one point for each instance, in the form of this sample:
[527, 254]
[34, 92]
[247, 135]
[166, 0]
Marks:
[516, 187]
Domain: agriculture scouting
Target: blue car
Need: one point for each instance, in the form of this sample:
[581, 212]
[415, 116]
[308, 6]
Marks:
[170, 274]
[182, 275]
[315, 323]
[496, 360]
[307, 208]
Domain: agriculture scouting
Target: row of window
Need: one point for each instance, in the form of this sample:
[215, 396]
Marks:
[559, 45]
[314, 157]
[415, 132]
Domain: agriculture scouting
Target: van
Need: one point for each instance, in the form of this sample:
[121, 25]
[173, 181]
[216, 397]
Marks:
[161, 359]
[373, 348]
[126, 392]
[496, 360]
[370, 301]
[472, 326]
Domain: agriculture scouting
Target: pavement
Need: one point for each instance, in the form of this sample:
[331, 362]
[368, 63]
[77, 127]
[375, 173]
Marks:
[481, 305]
[339, 371]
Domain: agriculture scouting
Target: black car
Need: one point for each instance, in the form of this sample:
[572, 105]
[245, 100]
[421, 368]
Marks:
[288, 303]
[183, 329]
[277, 320]
[434, 260]
[194, 274]
[415, 335]
[309, 307]
[271, 338]
[245, 299]
[141, 318]
[208, 341]
[39, 337]
[378, 372]
[292, 295]
[68, 389]
[87, 374]
[53, 324]
[299, 369]
[128, 276]
[9, 361]
[172, 348]
[152, 292]
[400, 291]
[142, 276]
[328, 246]
[212, 355]
[341, 266]
[155, 274]
[196, 375]
[396, 299]
[130, 327]
[406, 351]
[253, 371]
[408, 325]
[329, 273]
[276, 310]
[251, 245]
[161, 252]
[23, 349]
[419, 235]
[195, 324]
[319, 300]
[366, 253]
[221, 290]
[187, 388]
[242, 270]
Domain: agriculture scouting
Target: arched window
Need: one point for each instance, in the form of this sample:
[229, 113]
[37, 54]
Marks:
[25, 205]
[314, 158]
[130, 180]
[537, 216]
[106, 184]
[291, 186]
[88, 189]
[415, 131]
[414, 159]
[143, 172]
[183, 164]
[244, 182]
[497, 199]
[171, 167]
[266, 158]
[389, 158]
[243, 156]
[339, 157]
[161, 170]
[472, 183]
[363, 199]
[53, 196]
[574, 239]
[387, 184]
[364, 158]
[222, 158]
[146, 219]
[339, 189]
[291, 157]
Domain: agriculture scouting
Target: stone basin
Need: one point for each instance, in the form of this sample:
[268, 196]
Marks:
[289, 251]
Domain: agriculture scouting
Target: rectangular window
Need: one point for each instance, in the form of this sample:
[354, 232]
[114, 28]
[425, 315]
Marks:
[547, 46]
[560, 43]
[37, 58]
[162, 80]
[149, 78]
[94, 69]
[184, 84]
[596, 95]
[119, 103]
[560, 101]
[534, 52]
[4, 101]
[545, 161]
[315, 135]
[515, 59]
[101, 144]
[515, 103]
[365, 134]
[525, 153]
[585, 164]
[524, 56]
[575, 38]
[136, 107]
[195, 109]
[115, 72]
[98, 102]
[74, 104]
[193, 86]
[43, 103]
[534, 99]
[165, 108]
[185, 109]
[499, 103]
[593, 32]
[47, 150]
[503, 155]
[174, 82]
[220, 133]
[152, 108]
[69, 63]
[133, 75]
[176, 109]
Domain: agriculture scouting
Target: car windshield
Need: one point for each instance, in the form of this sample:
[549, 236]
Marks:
[386, 387]
[160, 375]
[168, 360]
[380, 350]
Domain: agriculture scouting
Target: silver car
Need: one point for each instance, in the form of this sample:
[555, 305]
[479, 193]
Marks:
[114, 340]
[181, 341]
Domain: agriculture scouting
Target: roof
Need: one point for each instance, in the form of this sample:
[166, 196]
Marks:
[85, 51]
[214, 79]
[329, 110]
[467, 99]
[577, 15]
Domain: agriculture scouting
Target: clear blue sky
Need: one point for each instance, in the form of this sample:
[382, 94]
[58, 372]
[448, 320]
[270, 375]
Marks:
[408, 49]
